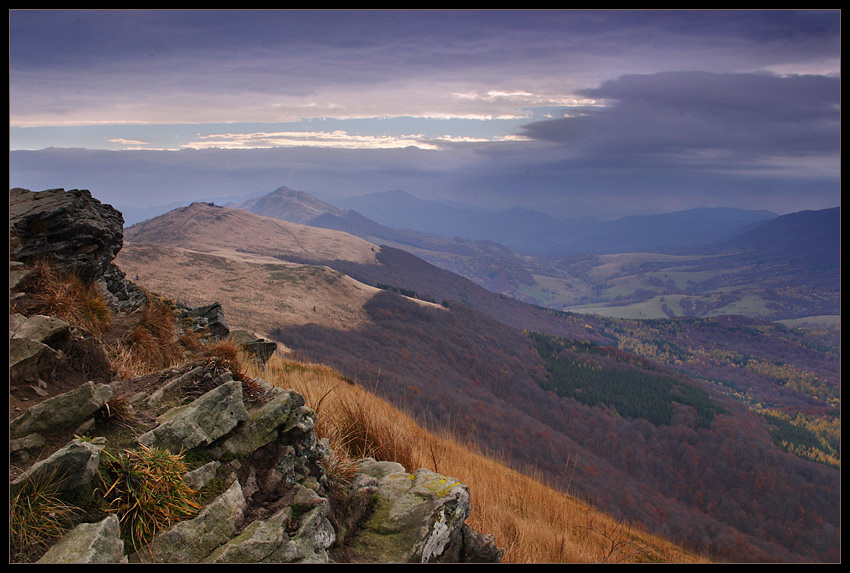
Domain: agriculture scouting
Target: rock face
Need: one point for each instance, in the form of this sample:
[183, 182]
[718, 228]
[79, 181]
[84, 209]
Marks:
[418, 518]
[80, 232]
[98, 542]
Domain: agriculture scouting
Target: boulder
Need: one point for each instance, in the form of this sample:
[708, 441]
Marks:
[280, 414]
[30, 359]
[62, 411]
[201, 422]
[73, 466]
[192, 540]
[79, 232]
[297, 533]
[98, 542]
[208, 317]
[416, 516]
[45, 329]
[259, 348]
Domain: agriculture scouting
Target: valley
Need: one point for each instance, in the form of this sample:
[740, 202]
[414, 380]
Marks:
[714, 472]
[703, 262]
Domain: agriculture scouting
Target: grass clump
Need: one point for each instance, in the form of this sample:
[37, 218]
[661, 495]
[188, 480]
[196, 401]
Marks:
[148, 343]
[37, 516]
[66, 296]
[145, 487]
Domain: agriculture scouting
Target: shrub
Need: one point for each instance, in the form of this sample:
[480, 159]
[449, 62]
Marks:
[148, 343]
[227, 355]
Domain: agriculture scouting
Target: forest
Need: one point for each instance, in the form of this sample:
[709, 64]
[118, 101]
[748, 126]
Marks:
[589, 374]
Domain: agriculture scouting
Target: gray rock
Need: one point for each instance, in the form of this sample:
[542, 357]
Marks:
[30, 359]
[122, 294]
[193, 540]
[200, 477]
[81, 233]
[478, 548]
[89, 543]
[18, 273]
[64, 410]
[283, 412]
[263, 541]
[416, 517]
[45, 329]
[28, 442]
[260, 349]
[298, 533]
[73, 466]
[209, 317]
[201, 422]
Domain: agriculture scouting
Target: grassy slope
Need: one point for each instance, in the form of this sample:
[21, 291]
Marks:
[533, 522]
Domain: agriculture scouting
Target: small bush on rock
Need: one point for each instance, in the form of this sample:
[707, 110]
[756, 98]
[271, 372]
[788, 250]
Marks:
[145, 487]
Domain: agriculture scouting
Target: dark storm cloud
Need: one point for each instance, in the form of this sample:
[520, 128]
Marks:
[702, 119]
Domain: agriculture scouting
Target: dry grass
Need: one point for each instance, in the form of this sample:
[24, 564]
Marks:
[148, 342]
[37, 516]
[63, 295]
[531, 521]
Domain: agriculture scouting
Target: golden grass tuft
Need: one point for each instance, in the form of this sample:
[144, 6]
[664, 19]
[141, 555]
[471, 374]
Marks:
[147, 491]
[65, 296]
[531, 521]
[227, 355]
[37, 516]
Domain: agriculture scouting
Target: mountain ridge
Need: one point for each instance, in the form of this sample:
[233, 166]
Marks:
[561, 236]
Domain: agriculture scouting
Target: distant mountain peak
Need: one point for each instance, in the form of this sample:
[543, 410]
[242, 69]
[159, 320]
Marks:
[290, 205]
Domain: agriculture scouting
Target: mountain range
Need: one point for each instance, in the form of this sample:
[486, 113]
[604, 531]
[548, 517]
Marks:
[716, 431]
[534, 233]
[699, 262]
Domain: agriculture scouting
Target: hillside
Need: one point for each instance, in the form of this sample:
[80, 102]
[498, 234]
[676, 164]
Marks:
[293, 484]
[487, 263]
[786, 268]
[463, 362]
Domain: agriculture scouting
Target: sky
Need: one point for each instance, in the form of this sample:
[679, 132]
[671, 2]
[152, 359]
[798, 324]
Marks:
[576, 113]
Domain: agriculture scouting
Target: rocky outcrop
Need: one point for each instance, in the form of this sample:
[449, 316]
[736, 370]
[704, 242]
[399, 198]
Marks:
[78, 231]
[66, 410]
[418, 518]
[208, 317]
[260, 348]
[35, 344]
[276, 506]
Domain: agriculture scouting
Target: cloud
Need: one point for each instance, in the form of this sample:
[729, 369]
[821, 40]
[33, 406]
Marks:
[169, 66]
[701, 120]
[334, 139]
[121, 141]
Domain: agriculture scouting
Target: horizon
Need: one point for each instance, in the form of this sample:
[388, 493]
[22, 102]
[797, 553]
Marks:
[603, 113]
